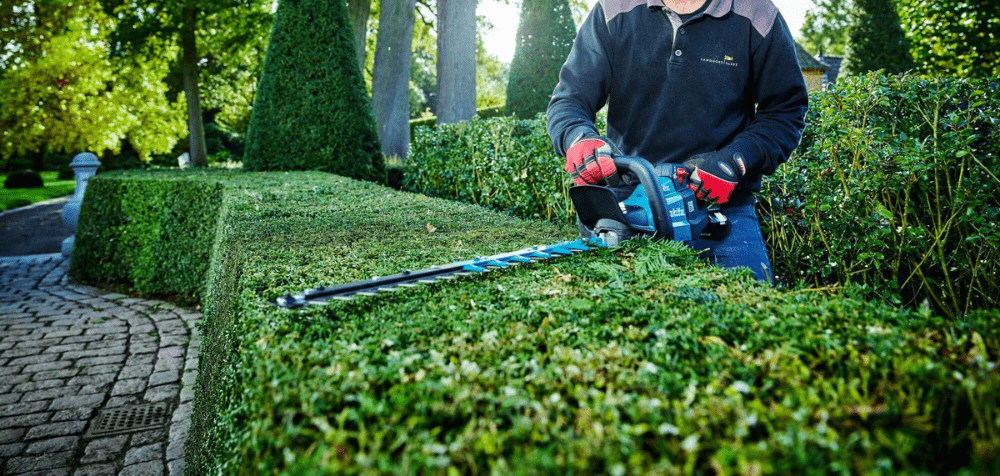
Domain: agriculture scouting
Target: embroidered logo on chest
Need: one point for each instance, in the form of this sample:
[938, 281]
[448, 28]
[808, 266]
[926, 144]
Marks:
[726, 60]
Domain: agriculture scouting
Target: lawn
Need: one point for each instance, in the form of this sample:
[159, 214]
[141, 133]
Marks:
[19, 197]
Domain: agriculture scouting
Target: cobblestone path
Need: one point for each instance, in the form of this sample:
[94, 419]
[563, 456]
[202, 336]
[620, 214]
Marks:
[91, 382]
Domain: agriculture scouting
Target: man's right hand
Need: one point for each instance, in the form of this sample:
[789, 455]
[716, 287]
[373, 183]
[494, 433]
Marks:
[589, 160]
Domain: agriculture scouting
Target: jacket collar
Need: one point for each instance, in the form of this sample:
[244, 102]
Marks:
[716, 8]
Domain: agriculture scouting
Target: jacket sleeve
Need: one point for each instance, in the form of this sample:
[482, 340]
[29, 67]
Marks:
[584, 82]
[780, 93]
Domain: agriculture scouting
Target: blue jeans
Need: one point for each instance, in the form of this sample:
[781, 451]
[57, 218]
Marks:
[744, 246]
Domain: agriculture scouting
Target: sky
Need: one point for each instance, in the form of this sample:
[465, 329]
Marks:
[504, 18]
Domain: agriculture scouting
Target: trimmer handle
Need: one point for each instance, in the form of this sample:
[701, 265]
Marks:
[648, 178]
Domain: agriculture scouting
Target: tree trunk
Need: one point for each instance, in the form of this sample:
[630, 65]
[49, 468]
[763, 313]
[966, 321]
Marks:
[359, 10]
[391, 78]
[456, 65]
[189, 65]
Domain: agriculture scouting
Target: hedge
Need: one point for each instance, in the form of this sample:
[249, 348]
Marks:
[149, 231]
[640, 359]
[894, 193]
[504, 163]
[891, 194]
[312, 111]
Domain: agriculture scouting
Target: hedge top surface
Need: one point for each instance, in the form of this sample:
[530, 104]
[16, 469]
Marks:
[640, 359]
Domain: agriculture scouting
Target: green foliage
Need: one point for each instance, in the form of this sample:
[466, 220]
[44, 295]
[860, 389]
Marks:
[312, 111]
[23, 179]
[62, 91]
[918, 164]
[875, 40]
[893, 190]
[148, 232]
[641, 359]
[503, 163]
[824, 30]
[431, 121]
[544, 38]
[220, 65]
[953, 37]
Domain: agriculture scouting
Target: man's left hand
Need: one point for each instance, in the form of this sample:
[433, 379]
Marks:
[713, 176]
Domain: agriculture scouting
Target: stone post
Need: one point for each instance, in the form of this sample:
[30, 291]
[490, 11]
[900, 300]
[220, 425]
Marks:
[84, 166]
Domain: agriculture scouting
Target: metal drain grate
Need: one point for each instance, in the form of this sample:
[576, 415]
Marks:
[126, 419]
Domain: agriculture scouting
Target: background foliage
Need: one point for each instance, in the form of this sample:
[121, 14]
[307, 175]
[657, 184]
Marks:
[824, 29]
[544, 38]
[313, 112]
[60, 89]
[894, 189]
[953, 37]
[875, 39]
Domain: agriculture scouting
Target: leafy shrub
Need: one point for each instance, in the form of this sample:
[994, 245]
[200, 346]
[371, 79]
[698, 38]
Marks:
[431, 121]
[151, 232]
[894, 190]
[312, 111]
[504, 163]
[24, 179]
[640, 359]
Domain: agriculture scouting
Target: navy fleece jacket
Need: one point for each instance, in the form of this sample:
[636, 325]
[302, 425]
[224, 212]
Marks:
[728, 79]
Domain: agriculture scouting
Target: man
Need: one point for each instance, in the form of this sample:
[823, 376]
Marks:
[711, 84]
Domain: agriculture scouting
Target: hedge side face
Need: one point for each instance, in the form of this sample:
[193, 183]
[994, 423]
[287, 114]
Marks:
[639, 360]
[894, 192]
[149, 232]
[312, 111]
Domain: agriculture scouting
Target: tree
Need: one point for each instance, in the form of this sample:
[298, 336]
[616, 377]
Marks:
[825, 28]
[312, 111]
[391, 77]
[875, 40]
[359, 11]
[456, 65]
[544, 38]
[953, 37]
[230, 66]
[62, 92]
[145, 22]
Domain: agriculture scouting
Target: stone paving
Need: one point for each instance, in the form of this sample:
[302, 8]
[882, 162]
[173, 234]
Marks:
[91, 382]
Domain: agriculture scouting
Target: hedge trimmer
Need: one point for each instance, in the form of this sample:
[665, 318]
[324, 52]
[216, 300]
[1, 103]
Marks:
[607, 216]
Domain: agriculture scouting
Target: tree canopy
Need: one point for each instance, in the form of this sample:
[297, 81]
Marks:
[953, 37]
[824, 30]
[62, 90]
[875, 39]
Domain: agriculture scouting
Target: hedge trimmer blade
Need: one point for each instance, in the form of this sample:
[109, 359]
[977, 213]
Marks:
[322, 294]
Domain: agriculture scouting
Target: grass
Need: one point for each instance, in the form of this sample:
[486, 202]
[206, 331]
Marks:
[21, 197]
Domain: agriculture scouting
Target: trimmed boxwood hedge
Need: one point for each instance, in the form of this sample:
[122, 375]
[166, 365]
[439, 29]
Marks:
[635, 360]
[892, 193]
[151, 231]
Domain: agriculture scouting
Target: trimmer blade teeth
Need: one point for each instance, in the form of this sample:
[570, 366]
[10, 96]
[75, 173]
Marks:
[412, 278]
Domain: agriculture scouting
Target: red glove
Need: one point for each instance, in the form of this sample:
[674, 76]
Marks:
[590, 160]
[713, 176]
